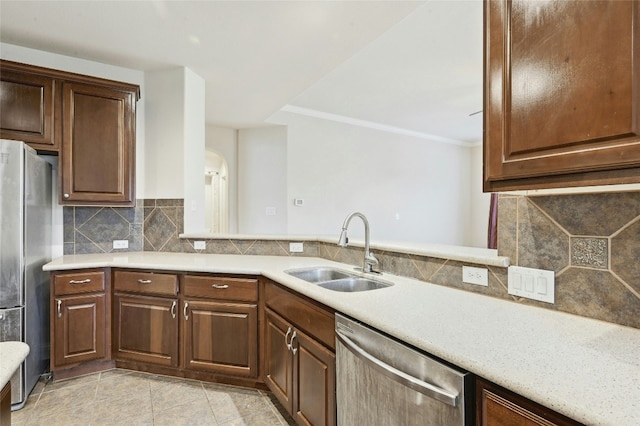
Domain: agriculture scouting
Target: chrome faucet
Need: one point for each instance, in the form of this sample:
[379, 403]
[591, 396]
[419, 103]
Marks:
[369, 259]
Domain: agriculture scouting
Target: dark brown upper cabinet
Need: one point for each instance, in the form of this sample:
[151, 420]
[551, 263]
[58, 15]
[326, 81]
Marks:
[562, 93]
[27, 107]
[90, 122]
[98, 145]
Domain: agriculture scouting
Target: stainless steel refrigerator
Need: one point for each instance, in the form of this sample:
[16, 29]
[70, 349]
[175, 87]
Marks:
[25, 246]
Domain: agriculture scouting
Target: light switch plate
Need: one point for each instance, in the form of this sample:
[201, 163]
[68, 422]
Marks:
[536, 284]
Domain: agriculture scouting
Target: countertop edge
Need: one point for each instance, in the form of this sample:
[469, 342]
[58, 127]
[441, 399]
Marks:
[11, 356]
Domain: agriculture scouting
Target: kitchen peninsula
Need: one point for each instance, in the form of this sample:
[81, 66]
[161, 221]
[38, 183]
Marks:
[549, 357]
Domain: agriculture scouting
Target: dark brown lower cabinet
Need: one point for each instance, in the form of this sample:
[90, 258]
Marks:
[221, 337]
[79, 329]
[496, 406]
[300, 372]
[146, 329]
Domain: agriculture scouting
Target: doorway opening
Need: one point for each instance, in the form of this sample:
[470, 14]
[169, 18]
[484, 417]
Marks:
[216, 186]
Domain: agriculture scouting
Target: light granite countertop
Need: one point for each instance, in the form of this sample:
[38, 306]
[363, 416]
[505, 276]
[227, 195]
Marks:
[11, 356]
[586, 369]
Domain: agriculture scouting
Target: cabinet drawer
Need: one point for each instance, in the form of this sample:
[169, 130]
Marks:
[243, 289]
[316, 321]
[78, 282]
[145, 282]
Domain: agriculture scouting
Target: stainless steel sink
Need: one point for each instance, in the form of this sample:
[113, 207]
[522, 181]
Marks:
[318, 274]
[337, 280]
[354, 284]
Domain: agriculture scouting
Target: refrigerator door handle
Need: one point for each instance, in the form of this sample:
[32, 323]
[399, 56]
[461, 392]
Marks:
[59, 311]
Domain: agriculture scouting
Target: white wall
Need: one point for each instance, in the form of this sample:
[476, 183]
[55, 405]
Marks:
[262, 180]
[224, 141]
[194, 145]
[165, 133]
[479, 217]
[410, 189]
[176, 135]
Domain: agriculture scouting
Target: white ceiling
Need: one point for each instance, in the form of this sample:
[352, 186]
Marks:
[414, 66]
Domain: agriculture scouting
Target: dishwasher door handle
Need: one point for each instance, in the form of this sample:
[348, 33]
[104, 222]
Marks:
[414, 383]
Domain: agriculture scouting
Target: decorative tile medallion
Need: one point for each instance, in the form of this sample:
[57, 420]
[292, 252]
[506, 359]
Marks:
[592, 252]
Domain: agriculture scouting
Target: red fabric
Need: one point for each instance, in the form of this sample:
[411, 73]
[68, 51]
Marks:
[492, 237]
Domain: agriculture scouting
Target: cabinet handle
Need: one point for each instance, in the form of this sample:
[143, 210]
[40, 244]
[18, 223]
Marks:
[85, 281]
[184, 311]
[220, 286]
[59, 311]
[294, 350]
[173, 309]
[286, 339]
[144, 281]
[65, 196]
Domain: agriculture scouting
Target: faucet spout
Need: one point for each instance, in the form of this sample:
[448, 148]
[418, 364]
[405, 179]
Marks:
[369, 259]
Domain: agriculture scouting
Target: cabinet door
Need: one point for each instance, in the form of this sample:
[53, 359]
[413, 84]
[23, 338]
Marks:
[78, 329]
[314, 382]
[279, 359]
[562, 99]
[27, 105]
[498, 407]
[221, 337]
[146, 329]
[98, 145]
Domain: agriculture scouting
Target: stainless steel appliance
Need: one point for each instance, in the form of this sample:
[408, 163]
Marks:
[25, 246]
[381, 381]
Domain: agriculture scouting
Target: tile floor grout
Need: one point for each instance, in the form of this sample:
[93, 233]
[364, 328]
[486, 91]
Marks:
[129, 397]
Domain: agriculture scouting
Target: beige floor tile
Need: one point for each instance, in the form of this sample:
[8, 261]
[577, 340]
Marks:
[191, 413]
[123, 387]
[122, 397]
[167, 394]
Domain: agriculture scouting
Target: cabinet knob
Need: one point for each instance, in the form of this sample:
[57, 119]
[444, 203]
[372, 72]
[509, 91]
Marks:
[65, 196]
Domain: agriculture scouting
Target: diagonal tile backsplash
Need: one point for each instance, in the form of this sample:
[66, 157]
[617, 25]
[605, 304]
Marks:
[591, 241]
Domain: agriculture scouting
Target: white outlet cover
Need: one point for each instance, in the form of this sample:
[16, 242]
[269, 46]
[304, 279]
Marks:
[200, 245]
[120, 244]
[478, 276]
[296, 247]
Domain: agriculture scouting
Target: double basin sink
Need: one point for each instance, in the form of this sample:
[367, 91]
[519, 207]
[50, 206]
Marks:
[338, 280]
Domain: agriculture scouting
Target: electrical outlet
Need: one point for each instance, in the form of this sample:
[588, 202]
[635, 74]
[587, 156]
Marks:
[296, 247]
[200, 245]
[120, 244]
[536, 284]
[479, 276]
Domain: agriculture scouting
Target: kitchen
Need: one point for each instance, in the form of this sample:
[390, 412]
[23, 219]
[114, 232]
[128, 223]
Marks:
[538, 219]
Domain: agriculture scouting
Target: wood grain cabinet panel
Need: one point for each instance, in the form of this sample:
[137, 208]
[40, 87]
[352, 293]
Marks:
[562, 99]
[98, 146]
[299, 356]
[221, 337]
[90, 122]
[79, 329]
[79, 317]
[27, 103]
[496, 406]
[146, 329]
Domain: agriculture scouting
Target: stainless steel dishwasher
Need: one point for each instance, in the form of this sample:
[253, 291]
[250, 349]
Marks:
[383, 382]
